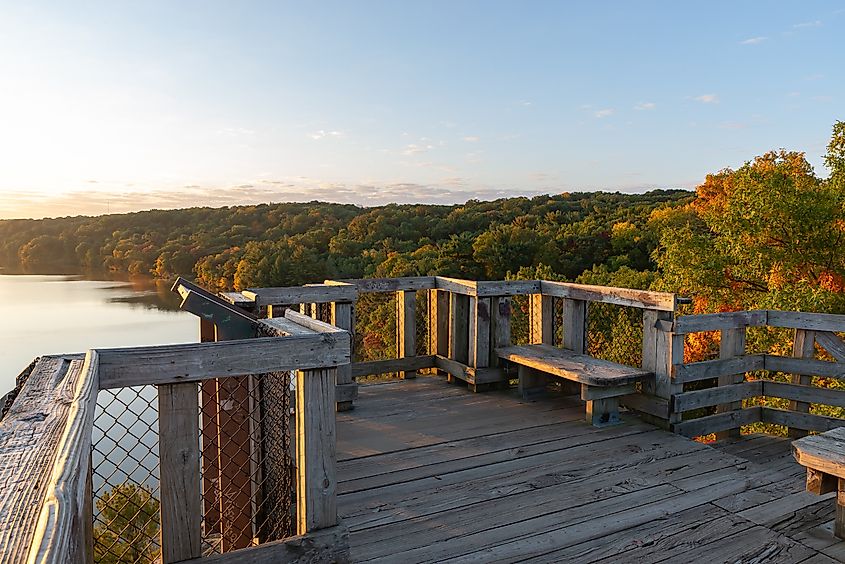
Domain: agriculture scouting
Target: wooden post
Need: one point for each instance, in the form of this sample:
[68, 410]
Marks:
[181, 507]
[406, 328]
[341, 314]
[210, 442]
[731, 344]
[438, 323]
[316, 465]
[500, 321]
[479, 337]
[803, 346]
[458, 330]
[575, 337]
[662, 350]
[542, 320]
[839, 523]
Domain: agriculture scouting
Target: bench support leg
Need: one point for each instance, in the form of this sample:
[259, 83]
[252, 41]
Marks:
[839, 525]
[531, 382]
[603, 412]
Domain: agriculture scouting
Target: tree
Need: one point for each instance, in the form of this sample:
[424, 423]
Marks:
[127, 528]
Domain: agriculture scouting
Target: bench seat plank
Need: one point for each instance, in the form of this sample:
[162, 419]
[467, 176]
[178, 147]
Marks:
[824, 457]
[576, 367]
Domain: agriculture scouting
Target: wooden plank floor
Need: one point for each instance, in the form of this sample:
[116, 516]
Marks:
[430, 472]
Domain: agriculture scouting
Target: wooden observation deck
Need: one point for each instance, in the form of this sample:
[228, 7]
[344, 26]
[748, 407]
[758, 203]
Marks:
[272, 441]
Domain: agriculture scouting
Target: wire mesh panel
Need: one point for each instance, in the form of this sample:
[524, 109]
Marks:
[422, 340]
[246, 461]
[246, 467]
[615, 333]
[520, 319]
[126, 476]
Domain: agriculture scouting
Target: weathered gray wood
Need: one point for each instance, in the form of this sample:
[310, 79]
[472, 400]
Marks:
[474, 376]
[456, 286]
[824, 452]
[804, 347]
[171, 364]
[238, 299]
[324, 546]
[596, 393]
[798, 420]
[647, 404]
[341, 317]
[805, 366]
[572, 366]
[575, 325]
[479, 319]
[458, 328]
[316, 461]
[532, 383]
[406, 329]
[697, 399]
[603, 412]
[500, 326]
[507, 288]
[284, 327]
[311, 294]
[731, 345]
[179, 463]
[832, 344]
[368, 285]
[310, 322]
[808, 321]
[686, 324]
[542, 320]
[708, 369]
[807, 394]
[393, 365]
[60, 534]
[821, 483]
[720, 422]
[619, 296]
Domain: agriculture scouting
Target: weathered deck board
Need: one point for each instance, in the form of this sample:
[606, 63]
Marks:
[434, 472]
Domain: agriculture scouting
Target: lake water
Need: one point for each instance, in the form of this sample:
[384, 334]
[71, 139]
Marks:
[67, 314]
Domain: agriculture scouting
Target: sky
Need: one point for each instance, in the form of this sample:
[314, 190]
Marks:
[121, 106]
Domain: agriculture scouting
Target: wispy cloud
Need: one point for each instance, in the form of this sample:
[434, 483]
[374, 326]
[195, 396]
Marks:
[645, 106]
[606, 112]
[323, 134]
[472, 139]
[753, 41]
[707, 99]
[414, 149]
[807, 25]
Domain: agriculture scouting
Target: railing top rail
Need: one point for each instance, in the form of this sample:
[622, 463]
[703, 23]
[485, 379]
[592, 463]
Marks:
[643, 299]
[759, 318]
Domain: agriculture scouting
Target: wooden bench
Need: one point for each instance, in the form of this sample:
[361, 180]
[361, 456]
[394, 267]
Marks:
[602, 382]
[824, 457]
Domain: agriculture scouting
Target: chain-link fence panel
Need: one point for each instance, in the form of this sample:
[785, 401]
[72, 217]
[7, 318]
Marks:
[615, 333]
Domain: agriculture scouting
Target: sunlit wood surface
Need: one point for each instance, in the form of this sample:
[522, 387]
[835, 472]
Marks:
[431, 472]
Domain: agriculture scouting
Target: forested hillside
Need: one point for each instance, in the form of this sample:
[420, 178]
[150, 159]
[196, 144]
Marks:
[288, 244]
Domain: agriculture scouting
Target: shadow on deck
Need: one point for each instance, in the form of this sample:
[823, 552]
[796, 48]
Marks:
[430, 472]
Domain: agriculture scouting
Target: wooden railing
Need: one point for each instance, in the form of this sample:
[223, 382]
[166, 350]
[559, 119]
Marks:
[46, 444]
[728, 373]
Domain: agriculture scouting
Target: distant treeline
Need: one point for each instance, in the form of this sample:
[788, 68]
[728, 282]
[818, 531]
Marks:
[296, 243]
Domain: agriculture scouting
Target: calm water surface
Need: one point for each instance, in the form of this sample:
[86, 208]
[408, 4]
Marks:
[66, 314]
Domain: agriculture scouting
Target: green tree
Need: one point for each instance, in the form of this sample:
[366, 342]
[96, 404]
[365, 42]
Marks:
[128, 525]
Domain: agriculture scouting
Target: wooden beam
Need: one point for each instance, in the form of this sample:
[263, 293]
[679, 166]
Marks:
[658, 407]
[171, 364]
[720, 422]
[697, 399]
[488, 289]
[479, 319]
[575, 325]
[805, 366]
[731, 345]
[179, 462]
[372, 285]
[406, 328]
[799, 420]
[316, 457]
[316, 293]
[342, 318]
[821, 483]
[808, 321]
[321, 546]
[707, 369]
[686, 324]
[541, 317]
[64, 523]
[311, 322]
[456, 286]
[803, 346]
[807, 394]
[642, 299]
[832, 344]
